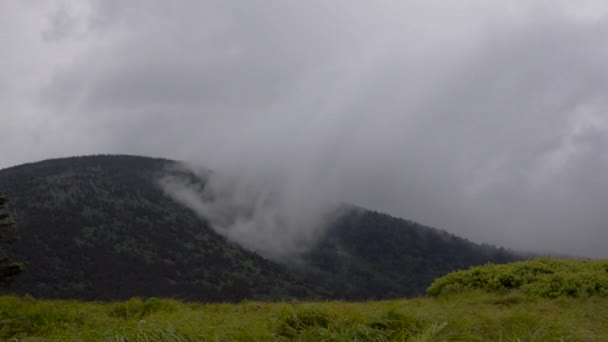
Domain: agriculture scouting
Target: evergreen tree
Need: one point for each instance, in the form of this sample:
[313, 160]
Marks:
[8, 268]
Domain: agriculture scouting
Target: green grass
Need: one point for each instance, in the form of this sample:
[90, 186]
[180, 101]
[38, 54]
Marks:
[537, 300]
[467, 316]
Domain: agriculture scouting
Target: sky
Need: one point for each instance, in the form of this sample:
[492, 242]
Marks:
[487, 119]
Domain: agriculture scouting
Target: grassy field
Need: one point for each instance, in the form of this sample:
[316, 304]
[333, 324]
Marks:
[465, 316]
[538, 300]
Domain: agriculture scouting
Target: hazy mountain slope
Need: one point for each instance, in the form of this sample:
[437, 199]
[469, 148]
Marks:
[100, 227]
[374, 255]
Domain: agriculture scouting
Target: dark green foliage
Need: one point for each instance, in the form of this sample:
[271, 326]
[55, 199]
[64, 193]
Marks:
[543, 277]
[100, 227]
[369, 255]
[8, 268]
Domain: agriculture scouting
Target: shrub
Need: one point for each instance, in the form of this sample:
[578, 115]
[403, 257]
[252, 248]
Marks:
[543, 277]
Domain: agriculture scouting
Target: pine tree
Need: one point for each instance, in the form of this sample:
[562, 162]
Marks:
[8, 268]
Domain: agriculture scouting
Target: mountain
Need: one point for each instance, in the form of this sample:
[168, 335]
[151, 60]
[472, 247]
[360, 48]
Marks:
[100, 228]
[370, 255]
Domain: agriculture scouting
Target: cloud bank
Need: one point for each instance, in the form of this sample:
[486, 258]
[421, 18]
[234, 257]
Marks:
[279, 221]
[483, 118]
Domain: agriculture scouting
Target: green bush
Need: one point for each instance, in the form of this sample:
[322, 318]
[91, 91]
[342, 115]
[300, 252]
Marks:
[543, 277]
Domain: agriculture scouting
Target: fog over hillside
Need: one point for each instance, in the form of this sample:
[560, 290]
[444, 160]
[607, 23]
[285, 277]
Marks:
[485, 118]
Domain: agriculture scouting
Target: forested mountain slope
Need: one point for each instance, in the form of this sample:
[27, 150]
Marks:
[370, 255]
[100, 227]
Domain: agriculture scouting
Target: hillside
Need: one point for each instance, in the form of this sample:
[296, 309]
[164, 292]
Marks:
[370, 255]
[99, 227]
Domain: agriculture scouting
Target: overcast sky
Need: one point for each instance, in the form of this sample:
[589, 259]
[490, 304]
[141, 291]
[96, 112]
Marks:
[485, 118]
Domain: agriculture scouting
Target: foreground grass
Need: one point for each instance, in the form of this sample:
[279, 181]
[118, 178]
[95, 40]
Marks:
[463, 316]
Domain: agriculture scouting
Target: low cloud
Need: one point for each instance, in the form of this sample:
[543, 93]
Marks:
[483, 118]
[261, 215]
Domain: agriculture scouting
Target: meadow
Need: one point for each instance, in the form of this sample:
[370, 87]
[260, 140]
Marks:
[469, 311]
[467, 316]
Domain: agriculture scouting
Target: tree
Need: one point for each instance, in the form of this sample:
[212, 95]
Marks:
[8, 268]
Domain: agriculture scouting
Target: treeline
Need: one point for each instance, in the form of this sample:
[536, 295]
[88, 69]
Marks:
[99, 227]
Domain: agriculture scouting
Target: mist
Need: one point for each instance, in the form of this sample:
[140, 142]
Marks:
[482, 118]
[278, 220]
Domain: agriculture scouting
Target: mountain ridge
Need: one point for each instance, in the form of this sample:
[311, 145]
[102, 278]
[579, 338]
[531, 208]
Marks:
[98, 227]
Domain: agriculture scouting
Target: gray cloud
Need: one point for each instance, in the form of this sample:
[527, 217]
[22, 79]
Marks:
[264, 216]
[483, 118]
